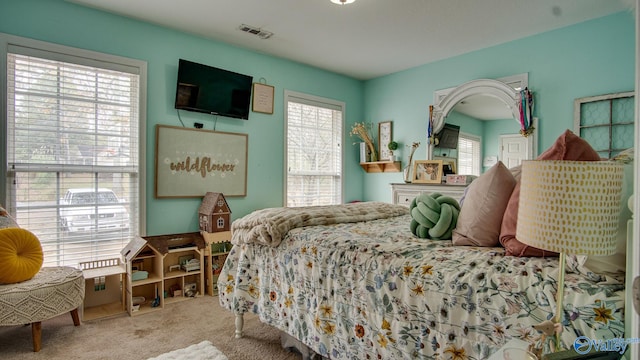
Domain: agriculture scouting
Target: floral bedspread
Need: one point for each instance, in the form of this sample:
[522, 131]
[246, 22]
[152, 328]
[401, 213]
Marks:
[371, 290]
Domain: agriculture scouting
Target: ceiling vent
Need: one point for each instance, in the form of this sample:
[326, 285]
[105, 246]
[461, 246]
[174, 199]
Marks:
[262, 34]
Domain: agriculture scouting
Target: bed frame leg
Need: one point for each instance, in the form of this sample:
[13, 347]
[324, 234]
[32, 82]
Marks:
[239, 325]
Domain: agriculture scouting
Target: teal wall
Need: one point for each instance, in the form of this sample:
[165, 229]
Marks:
[590, 58]
[68, 24]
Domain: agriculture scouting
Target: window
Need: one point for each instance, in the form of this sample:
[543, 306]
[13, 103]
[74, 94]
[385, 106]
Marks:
[606, 122]
[468, 154]
[220, 223]
[72, 148]
[313, 153]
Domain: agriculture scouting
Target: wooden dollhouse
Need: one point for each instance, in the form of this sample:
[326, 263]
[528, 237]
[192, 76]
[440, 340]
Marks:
[214, 214]
[162, 269]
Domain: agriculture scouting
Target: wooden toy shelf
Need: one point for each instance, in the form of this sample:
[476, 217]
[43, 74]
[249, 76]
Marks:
[213, 256]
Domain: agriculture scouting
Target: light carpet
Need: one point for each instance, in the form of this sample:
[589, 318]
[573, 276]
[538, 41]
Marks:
[202, 351]
[140, 337]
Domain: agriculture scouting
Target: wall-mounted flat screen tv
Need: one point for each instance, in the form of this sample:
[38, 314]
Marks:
[448, 136]
[211, 90]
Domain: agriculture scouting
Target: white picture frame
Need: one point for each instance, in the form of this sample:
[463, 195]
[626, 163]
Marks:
[385, 136]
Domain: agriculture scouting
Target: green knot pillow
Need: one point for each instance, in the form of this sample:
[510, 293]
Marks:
[434, 216]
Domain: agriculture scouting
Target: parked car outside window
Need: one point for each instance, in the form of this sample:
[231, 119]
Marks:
[89, 210]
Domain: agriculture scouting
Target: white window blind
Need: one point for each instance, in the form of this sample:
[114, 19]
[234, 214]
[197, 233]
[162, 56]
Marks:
[468, 154]
[73, 152]
[313, 150]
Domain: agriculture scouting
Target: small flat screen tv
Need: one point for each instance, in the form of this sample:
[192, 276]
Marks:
[211, 90]
[448, 137]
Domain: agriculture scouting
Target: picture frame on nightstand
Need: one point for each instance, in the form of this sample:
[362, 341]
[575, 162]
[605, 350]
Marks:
[427, 171]
[450, 162]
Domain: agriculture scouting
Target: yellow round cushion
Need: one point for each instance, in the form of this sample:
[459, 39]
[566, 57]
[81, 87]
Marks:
[20, 255]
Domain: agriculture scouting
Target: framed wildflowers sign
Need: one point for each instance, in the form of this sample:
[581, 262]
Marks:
[190, 162]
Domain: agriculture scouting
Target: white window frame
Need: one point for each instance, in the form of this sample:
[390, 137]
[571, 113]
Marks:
[608, 127]
[314, 101]
[88, 58]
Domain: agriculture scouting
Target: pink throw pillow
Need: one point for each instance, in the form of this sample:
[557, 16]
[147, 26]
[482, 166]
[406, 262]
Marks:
[484, 204]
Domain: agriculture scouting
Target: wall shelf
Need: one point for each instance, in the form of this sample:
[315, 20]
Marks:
[382, 166]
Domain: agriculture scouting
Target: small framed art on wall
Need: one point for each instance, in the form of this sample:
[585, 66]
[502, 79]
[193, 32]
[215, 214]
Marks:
[384, 138]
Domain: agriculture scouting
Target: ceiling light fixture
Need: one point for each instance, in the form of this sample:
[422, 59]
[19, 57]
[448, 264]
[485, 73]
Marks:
[342, 2]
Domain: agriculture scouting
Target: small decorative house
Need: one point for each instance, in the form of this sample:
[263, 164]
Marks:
[214, 214]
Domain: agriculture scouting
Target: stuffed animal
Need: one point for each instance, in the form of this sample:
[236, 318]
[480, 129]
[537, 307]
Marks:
[434, 216]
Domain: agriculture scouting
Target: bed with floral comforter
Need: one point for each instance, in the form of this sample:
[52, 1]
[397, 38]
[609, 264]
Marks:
[371, 290]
